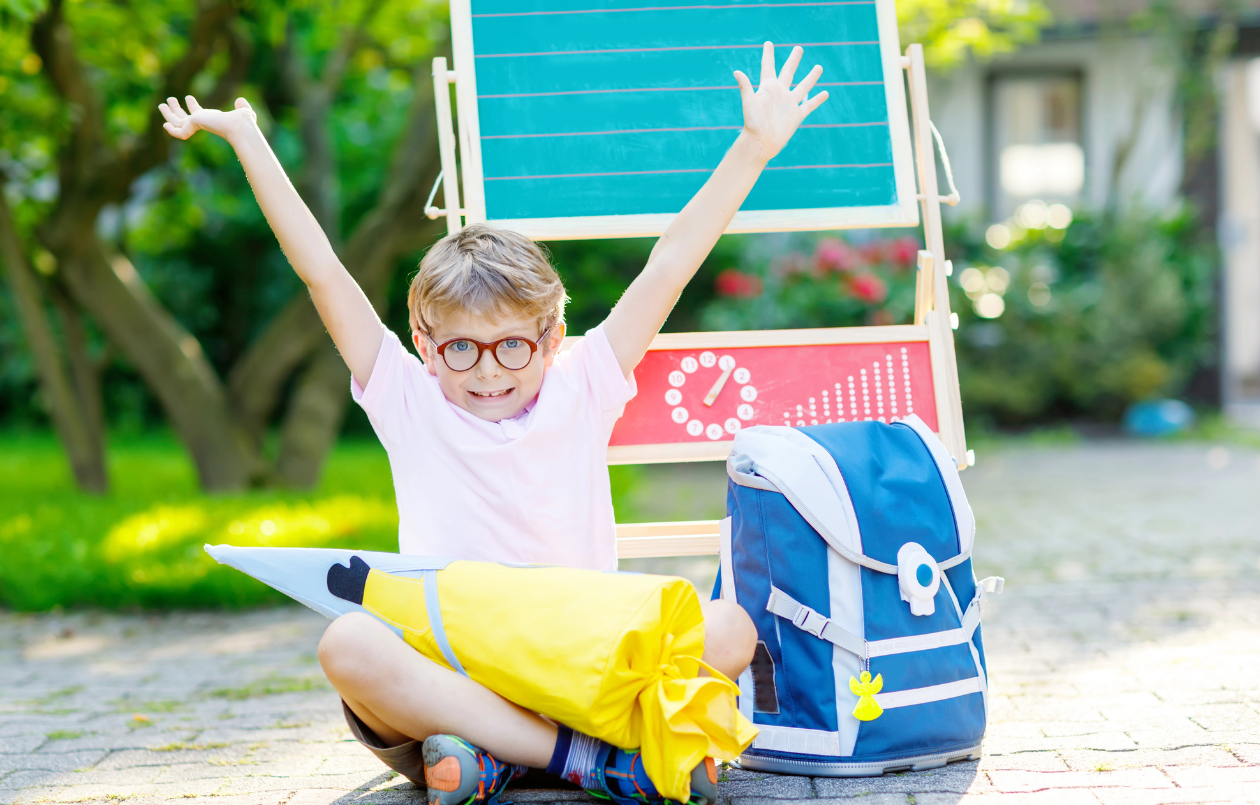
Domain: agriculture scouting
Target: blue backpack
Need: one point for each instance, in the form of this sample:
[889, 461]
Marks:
[850, 546]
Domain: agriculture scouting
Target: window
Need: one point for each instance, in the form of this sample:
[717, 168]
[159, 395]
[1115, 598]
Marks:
[1036, 134]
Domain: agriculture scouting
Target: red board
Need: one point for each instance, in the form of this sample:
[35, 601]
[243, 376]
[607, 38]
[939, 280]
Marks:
[784, 385]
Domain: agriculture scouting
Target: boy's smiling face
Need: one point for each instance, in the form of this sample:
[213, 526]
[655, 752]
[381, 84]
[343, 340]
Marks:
[488, 391]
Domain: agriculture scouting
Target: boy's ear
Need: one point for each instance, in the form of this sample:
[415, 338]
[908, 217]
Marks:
[425, 350]
[554, 339]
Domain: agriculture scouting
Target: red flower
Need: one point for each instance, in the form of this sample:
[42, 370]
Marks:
[905, 251]
[733, 282]
[868, 288]
[833, 254]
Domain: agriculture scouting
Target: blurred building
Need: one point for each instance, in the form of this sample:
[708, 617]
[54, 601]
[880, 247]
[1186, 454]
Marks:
[1090, 117]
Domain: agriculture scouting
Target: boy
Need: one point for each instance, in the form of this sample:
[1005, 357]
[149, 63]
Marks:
[497, 444]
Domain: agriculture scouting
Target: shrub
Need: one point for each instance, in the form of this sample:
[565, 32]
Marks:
[1081, 321]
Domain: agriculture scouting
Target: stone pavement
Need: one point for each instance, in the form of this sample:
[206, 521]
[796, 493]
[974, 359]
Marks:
[1123, 658]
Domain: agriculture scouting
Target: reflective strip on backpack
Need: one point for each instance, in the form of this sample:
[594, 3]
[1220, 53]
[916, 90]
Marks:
[932, 693]
[822, 627]
[434, 611]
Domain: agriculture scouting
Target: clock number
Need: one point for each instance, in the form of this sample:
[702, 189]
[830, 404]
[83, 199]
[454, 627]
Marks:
[679, 415]
[742, 375]
[714, 431]
[745, 412]
[733, 425]
[707, 359]
[677, 378]
[726, 363]
[689, 364]
[748, 393]
[673, 397]
[695, 428]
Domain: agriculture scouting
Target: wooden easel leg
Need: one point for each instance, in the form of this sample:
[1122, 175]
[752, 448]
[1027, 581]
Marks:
[446, 144]
[937, 313]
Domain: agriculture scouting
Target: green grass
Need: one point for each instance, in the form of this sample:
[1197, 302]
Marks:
[270, 686]
[63, 735]
[140, 546]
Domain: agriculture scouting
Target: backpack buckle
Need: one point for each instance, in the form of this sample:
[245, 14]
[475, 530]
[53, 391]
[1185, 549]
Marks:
[808, 620]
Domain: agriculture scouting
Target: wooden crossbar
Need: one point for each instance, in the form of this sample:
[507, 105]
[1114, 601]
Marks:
[684, 538]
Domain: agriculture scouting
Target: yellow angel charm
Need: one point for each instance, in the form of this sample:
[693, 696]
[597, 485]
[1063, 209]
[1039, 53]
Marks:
[867, 708]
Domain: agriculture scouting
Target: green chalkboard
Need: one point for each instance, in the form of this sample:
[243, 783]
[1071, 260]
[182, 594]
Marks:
[590, 118]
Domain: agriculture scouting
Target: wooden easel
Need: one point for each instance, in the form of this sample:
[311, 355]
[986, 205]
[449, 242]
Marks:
[933, 320]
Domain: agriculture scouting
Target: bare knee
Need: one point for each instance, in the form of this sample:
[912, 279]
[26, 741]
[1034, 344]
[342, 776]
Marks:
[730, 638]
[347, 649]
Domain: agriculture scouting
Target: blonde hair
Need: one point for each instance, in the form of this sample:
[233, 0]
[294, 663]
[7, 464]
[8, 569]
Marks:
[487, 272]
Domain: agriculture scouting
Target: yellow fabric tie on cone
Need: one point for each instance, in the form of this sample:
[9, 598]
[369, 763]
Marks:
[612, 655]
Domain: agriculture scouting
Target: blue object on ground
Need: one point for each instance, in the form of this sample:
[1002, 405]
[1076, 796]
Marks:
[1158, 418]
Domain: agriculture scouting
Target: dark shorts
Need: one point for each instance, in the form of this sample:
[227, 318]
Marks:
[405, 758]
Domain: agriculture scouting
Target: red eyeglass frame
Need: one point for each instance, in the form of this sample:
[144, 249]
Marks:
[482, 346]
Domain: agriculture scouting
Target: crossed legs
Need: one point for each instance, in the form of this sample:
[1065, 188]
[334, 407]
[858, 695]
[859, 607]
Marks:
[401, 695]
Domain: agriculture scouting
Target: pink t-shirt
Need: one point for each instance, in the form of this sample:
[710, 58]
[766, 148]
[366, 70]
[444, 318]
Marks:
[530, 489]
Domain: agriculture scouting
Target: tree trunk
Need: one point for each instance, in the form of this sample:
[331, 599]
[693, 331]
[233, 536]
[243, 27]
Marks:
[314, 418]
[168, 358]
[72, 412]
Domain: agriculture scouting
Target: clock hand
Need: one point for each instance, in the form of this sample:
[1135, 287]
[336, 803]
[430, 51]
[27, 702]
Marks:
[717, 387]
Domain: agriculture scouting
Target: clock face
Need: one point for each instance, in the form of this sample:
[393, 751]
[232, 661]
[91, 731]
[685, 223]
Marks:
[710, 396]
[705, 395]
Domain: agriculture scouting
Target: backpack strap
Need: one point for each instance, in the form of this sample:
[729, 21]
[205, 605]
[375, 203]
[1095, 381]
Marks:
[809, 620]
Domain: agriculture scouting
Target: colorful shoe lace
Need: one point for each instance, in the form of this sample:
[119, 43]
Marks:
[623, 781]
[458, 773]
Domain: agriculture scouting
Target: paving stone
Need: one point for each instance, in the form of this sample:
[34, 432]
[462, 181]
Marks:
[1199, 777]
[50, 762]
[1063, 797]
[864, 799]
[958, 778]
[1035, 781]
[742, 783]
[1201, 756]
[1215, 795]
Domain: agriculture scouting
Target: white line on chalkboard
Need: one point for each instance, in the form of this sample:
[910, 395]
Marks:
[676, 170]
[672, 8]
[664, 89]
[690, 128]
[657, 50]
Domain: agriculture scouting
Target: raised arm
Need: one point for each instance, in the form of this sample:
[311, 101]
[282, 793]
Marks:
[349, 316]
[771, 116]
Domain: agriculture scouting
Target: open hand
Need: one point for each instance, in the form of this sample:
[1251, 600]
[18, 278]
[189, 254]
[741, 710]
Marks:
[225, 124]
[773, 113]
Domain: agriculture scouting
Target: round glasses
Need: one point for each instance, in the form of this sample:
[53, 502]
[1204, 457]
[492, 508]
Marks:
[512, 353]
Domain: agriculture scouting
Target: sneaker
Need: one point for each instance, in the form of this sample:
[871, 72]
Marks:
[458, 773]
[625, 783]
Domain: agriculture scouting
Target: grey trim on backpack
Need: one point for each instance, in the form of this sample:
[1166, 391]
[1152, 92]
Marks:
[434, 611]
[869, 768]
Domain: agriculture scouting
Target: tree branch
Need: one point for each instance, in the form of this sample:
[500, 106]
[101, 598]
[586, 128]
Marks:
[52, 42]
[212, 25]
[337, 63]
